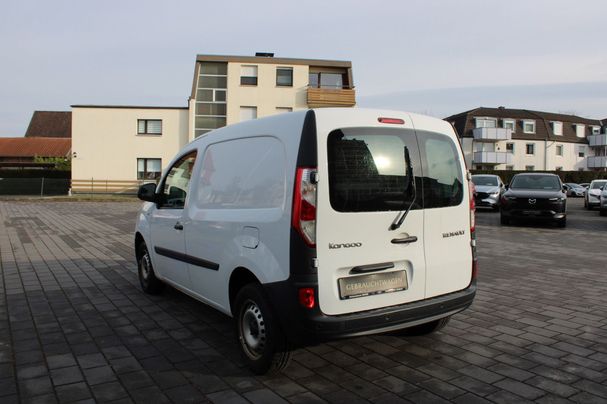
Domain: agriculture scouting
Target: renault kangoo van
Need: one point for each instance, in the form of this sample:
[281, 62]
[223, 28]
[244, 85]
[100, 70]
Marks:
[314, 225]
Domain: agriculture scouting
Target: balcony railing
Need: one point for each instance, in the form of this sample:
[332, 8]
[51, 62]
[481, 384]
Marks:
[484, 157]
[330, 97]
[597, 162]
[491, 134]
[597, 140]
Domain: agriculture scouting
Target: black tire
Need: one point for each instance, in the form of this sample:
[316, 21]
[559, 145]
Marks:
[562, 222]
[263, 345]
[585, 203]
[504, 220]
[603, 212]
[147, 278]
[496, 208]
[426, 328]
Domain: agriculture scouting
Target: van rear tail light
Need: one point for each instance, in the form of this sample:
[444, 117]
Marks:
[472, 191]
[304, 205]
[306, 297]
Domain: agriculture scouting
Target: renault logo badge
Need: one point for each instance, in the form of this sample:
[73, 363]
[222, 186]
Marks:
[532, 201]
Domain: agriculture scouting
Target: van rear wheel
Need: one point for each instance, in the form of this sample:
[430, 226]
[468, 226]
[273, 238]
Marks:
[426, 328]
[147, 278]
[263, 345]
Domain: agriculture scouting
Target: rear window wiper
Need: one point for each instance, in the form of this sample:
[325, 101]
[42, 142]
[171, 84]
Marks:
[398, 221]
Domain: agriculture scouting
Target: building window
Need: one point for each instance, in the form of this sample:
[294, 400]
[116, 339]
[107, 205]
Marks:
[280, 110]
[596, 130]
[247, 113]
[510, 147]
[509, 168]
[528, 126]
[248, 75]
[559, 150]
[557, 128]
[148, 169]
[509, 124]
[579, 130]
[529, 168]
[486, 122]
[530, 147]
[581, 151]
[211, 94]
[327, 80]
[149, 126]
[284, 77]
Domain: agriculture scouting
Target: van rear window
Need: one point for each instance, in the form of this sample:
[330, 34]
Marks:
[372, 169]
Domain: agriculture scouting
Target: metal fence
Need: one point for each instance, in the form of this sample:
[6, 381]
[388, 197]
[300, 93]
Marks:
[34, 186]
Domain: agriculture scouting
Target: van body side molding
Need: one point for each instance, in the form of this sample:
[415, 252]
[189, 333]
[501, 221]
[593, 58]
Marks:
[186, 258]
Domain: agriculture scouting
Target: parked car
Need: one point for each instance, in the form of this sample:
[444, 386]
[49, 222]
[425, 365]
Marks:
[593, 194]
[584, 184]
[489, 189]
[315, 225]
[573, 189]
[535, 196]
[603, 202]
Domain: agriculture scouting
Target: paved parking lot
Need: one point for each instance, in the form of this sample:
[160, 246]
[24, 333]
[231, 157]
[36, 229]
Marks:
[75, 327]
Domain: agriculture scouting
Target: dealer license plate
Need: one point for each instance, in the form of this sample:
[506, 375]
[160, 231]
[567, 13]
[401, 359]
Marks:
[372, 284]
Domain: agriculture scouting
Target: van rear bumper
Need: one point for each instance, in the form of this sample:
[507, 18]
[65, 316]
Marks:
[305, 325]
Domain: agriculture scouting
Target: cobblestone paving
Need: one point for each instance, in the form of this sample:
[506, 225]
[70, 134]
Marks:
[75, 327]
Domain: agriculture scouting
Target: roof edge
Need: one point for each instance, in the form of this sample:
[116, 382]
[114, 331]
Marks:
[125, 106]
[273, 60]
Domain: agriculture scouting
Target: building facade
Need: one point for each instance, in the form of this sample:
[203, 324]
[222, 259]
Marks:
[517, 139]
[133, 143]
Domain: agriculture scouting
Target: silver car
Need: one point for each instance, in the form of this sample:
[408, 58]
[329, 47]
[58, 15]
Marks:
[489, 189]
[593, 194]
[603, 202]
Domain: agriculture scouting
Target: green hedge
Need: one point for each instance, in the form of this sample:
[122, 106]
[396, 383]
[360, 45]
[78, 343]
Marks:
[566, 176]
[34, 173]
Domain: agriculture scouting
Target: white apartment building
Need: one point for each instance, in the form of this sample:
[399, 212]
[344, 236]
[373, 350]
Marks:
[516, 139]
[113, 146]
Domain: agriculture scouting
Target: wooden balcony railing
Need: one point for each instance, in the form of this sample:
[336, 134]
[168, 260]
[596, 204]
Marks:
[329, 97]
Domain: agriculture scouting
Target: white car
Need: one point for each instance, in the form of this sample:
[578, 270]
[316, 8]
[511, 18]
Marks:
[593, 194]
[315, 225]
[603, 202]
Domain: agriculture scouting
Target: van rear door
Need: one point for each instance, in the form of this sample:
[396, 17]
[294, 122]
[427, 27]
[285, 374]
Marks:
[368, 176]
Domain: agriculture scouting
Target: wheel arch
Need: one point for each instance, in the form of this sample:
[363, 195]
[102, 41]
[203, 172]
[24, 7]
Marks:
[239, 277]
[138, 240]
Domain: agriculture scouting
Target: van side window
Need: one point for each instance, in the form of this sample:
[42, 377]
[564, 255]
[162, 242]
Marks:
[443, 184]
[372, 169]
[175, 185]
[243, 174]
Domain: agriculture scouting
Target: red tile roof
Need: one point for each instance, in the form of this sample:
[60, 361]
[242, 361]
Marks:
[50, 124]
[35, 146]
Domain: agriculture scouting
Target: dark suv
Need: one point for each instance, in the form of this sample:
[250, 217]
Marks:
[534, 196]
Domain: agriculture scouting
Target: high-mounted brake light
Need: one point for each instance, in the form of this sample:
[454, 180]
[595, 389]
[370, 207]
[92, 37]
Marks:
[303, 216]
[394, 121]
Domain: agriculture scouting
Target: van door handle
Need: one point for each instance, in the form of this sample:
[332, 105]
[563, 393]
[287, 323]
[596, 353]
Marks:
[178, 226]
[404, 240]
[372, 268]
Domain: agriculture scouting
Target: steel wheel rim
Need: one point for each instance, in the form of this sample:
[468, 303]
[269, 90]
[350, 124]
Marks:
[145, 266]
[252, 330]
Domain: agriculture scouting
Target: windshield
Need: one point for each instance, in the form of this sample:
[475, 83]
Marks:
[598, 184]
[546, 182]
[484, 180]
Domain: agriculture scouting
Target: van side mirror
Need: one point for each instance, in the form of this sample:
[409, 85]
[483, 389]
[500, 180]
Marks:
[147, 192]
[507, 187]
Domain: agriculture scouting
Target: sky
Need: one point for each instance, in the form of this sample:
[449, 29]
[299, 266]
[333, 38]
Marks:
[438, 57]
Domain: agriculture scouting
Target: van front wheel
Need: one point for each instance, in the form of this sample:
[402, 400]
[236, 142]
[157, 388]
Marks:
[147, 278]
[264, 346]
[426, 328]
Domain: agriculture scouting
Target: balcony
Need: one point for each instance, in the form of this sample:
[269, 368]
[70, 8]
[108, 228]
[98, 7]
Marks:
[491, 134]
[597, 162]
[486, 157]
[597, 140]
[331, 97]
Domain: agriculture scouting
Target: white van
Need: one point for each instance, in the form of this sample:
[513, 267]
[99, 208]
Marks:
[315, 225]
